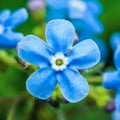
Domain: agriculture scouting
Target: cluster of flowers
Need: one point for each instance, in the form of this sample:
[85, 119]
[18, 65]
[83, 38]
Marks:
[111, 79]
[83, 14]
[58, 59]
[8, 22]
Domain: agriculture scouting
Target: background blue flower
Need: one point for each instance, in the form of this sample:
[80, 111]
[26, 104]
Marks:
[116, 115]
[58, 61]
[115, 40]
[111, 80]
[82, 13]
[8, 22]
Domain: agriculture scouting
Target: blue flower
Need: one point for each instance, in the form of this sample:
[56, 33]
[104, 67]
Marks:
[112, 78]
[58, 61]
[115, 40]
[82, 13]
[116, 115]
[8, 22]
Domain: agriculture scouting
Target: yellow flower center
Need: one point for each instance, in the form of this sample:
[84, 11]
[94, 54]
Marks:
[59, 62]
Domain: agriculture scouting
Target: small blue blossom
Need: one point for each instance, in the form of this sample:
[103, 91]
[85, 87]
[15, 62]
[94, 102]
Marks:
[58, 61]
[112, 78]
[8, 22]
[116, 115]
[115, 40]
[82, 13]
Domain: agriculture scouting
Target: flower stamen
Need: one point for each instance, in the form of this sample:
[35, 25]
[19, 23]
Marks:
[59, 61]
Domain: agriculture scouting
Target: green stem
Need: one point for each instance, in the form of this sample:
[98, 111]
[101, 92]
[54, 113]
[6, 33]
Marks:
[6, 59]
[12, 110]
[94, 79]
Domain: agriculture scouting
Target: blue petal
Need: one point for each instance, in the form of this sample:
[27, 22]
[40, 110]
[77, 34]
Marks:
[34, 50]
[42, 83]
[94, 25]
[84, 55]
[10, 39]
[117, 101]
[55, 14]
[57, 4]
[77, 9]
[116, 115]
[17, 18]
[60, 34]
[84, 35]
[72, 85]
[117, 58]
[115, 40]
[94, 7]
[4, 15]
[111, 80]
[79, 25]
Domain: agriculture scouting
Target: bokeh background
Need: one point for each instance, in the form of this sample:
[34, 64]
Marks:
[15, 101]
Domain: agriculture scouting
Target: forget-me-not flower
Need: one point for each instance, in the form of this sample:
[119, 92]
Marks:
[8, 22]
[58, 61]
[82, 13]
[111, 80]
[115, 40]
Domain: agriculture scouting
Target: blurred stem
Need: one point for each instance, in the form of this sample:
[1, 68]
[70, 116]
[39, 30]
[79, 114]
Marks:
[60, 115]
[94, 80]
[12, 110]
[5, 59]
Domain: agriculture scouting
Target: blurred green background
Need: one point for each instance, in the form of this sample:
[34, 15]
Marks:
[17, 104]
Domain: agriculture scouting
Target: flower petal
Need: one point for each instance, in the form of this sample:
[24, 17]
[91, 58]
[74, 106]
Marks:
[117, 101]
[117, 58]
[77, 9]
[57, 4]
[94, 25]
[95, 7]
[17, 18]
[42, 83]
[34, 50]
[84, 54]
[55, 14]
[4, 15]
[73, 86]
[60, 34]
[111, 80]
[115, 40]
[115, 115]
[10, 39]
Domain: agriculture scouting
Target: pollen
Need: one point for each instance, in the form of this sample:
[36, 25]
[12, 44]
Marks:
[59, 62]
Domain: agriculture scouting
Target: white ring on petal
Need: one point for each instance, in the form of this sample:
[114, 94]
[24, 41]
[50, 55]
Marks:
[57, 57]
